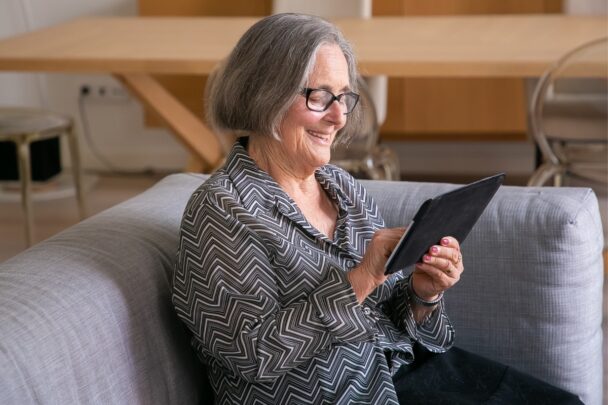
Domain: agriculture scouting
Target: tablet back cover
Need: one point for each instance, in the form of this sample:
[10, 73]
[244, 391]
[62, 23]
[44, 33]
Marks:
[451, 214]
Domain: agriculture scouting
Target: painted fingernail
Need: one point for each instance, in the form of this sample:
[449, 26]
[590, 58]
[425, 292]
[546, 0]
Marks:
[435, 249]
[427, 258]
[445, 241]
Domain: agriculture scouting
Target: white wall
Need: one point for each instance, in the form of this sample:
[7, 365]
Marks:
[586, 7]
[18, 89]
[116, 127]
[116, 130]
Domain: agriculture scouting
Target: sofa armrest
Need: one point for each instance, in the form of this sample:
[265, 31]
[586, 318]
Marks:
[86, 316]
[531, 293]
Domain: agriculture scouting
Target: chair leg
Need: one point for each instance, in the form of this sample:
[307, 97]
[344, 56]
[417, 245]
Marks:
[543, 174]
[77, 172]
[25, 176]
[558, 179]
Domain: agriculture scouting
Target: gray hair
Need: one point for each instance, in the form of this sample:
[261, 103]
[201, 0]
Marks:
[251, 91]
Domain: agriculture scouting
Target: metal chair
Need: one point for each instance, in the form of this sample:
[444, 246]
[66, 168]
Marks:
[568, 119]
[22, 126]
[363, 157]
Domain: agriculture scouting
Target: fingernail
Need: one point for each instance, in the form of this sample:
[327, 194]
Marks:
[445, 241]
[427, 258]
[435, 249]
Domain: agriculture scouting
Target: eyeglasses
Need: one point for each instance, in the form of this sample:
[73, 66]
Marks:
[320, 100]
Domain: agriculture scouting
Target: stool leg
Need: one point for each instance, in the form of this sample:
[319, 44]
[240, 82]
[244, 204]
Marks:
[76, 171]
[25, 176]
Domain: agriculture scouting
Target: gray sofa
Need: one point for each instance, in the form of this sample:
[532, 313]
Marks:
[86, 316]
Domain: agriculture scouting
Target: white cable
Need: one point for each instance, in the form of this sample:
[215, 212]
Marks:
[86, 129]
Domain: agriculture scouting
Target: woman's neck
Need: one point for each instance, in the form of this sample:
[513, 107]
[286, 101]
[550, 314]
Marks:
[299, 184]
[293, 178]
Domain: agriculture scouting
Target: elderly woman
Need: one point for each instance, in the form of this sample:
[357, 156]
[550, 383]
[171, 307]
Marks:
[280, 271]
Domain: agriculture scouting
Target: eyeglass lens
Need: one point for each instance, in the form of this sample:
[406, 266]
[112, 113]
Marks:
[320, 100]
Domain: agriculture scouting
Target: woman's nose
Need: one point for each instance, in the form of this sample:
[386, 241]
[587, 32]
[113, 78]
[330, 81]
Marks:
[335, 113]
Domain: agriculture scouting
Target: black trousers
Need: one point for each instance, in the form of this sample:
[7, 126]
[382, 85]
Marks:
[460, 377]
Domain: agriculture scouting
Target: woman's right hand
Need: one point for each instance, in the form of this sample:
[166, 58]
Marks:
[370, 273]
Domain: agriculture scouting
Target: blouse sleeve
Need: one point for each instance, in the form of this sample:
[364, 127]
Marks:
[435, 333]
[224, 290]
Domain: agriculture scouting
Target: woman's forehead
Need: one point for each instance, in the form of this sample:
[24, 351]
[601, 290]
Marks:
[330, 68]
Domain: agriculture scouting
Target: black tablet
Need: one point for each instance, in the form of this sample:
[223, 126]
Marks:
[451, 214]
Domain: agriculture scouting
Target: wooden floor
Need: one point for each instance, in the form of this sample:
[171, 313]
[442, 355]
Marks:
[52, 216]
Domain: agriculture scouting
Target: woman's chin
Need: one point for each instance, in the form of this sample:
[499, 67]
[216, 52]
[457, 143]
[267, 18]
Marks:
[323, 158]
[317, 162]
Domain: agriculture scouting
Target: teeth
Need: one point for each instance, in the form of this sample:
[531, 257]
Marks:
[317, 135]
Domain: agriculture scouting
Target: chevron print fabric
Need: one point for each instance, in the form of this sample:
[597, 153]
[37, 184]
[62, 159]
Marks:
[266, 297]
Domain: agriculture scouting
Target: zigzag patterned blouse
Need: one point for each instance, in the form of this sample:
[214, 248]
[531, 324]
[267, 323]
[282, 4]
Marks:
[267, 300]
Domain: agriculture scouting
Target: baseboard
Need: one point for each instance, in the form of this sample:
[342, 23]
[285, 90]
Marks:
[510, 180]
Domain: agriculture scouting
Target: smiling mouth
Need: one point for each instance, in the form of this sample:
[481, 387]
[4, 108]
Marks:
[320, 136]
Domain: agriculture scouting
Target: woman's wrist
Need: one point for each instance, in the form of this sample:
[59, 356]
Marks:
[362, 282]
[426, 301]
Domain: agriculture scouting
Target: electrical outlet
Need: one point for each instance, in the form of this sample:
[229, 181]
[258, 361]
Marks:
[103, 92]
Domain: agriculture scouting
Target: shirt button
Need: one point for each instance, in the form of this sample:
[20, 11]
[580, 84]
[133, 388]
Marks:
[350, 263]
[367, 311]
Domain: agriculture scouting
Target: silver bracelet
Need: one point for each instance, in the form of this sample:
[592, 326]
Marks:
[420, 301]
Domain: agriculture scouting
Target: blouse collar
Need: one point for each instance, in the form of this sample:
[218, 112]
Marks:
[262, 190]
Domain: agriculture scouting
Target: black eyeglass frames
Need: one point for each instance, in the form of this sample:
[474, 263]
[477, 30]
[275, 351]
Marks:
[320, 100]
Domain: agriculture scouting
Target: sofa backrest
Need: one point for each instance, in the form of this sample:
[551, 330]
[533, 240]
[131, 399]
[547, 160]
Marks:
[531, 294]
[86, 316]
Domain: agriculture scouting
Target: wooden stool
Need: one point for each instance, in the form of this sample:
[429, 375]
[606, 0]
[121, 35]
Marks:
[26, 125]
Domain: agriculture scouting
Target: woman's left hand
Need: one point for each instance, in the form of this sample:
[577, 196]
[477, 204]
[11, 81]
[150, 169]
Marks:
[439, 270]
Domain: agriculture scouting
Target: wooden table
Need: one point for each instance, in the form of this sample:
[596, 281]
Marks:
[134, 48]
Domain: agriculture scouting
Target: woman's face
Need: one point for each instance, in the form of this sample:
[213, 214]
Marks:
[306, 136]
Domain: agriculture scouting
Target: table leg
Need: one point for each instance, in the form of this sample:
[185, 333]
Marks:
[204, 145]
